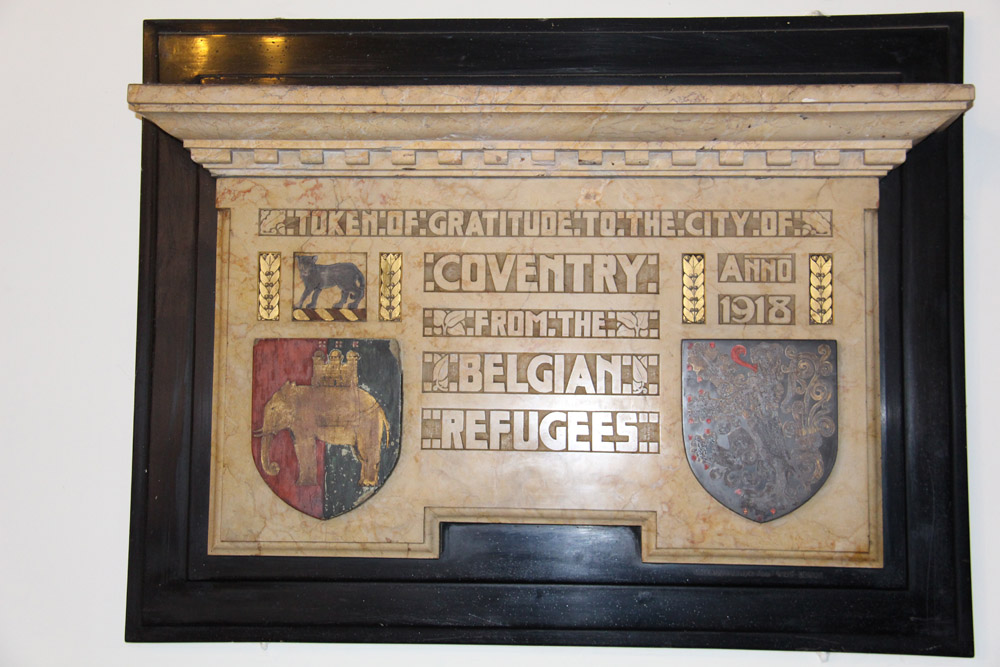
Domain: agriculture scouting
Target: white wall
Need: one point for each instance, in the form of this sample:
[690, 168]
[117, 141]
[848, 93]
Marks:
[68, 249]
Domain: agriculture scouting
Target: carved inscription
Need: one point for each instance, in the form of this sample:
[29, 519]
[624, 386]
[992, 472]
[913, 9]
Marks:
[541, 431]
[557, 273]
[463, 374]
[543, 223]
[517, 323]
[756, 309]
[740, 267]
[524, 373]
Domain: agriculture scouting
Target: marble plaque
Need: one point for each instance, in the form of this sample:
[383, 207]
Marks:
[656, 308]
[540, 336]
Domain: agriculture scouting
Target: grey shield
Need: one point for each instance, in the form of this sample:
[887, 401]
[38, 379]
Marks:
[760, 421]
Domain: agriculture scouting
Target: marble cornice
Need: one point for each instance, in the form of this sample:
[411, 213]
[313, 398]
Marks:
[753, 131]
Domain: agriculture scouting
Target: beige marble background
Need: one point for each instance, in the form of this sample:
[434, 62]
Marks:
[680, 521]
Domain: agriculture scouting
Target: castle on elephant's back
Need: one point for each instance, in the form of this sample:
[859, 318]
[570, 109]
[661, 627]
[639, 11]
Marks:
[332, 371]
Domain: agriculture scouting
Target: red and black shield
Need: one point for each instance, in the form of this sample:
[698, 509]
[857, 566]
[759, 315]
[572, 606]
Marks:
[326, 420]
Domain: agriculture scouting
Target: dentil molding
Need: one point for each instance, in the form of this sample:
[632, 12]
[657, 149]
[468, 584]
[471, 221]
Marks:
[534, 131]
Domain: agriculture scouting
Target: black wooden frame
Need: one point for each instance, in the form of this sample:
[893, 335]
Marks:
[559, 584]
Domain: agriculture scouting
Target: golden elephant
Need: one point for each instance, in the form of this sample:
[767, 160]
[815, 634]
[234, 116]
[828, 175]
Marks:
[347, 416]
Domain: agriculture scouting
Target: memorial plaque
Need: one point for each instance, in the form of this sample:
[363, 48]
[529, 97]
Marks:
[540, 328]
[548, 363]
[538, 294]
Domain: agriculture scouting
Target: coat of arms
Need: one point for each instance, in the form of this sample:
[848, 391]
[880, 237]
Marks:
[760, 421]
[326, 420]
[329, 287]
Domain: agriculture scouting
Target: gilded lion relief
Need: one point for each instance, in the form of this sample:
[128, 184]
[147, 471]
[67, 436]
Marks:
[326, 417]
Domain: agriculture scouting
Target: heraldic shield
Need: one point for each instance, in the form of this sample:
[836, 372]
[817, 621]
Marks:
[326, 420]
[760, 421]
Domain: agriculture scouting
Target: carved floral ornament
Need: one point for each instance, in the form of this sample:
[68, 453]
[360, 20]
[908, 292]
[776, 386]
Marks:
[752, 131]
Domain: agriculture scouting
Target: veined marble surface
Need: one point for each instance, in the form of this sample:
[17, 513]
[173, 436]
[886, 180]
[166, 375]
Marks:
[656, 489]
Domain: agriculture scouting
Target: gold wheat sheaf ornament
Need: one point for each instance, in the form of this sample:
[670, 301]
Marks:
[693, 289]
[268, 285]
[390, 298]
[821, 289]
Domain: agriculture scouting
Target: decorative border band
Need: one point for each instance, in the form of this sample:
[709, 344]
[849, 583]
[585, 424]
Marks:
[339, 160]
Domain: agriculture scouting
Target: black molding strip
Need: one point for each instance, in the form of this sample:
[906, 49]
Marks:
[807, 49]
